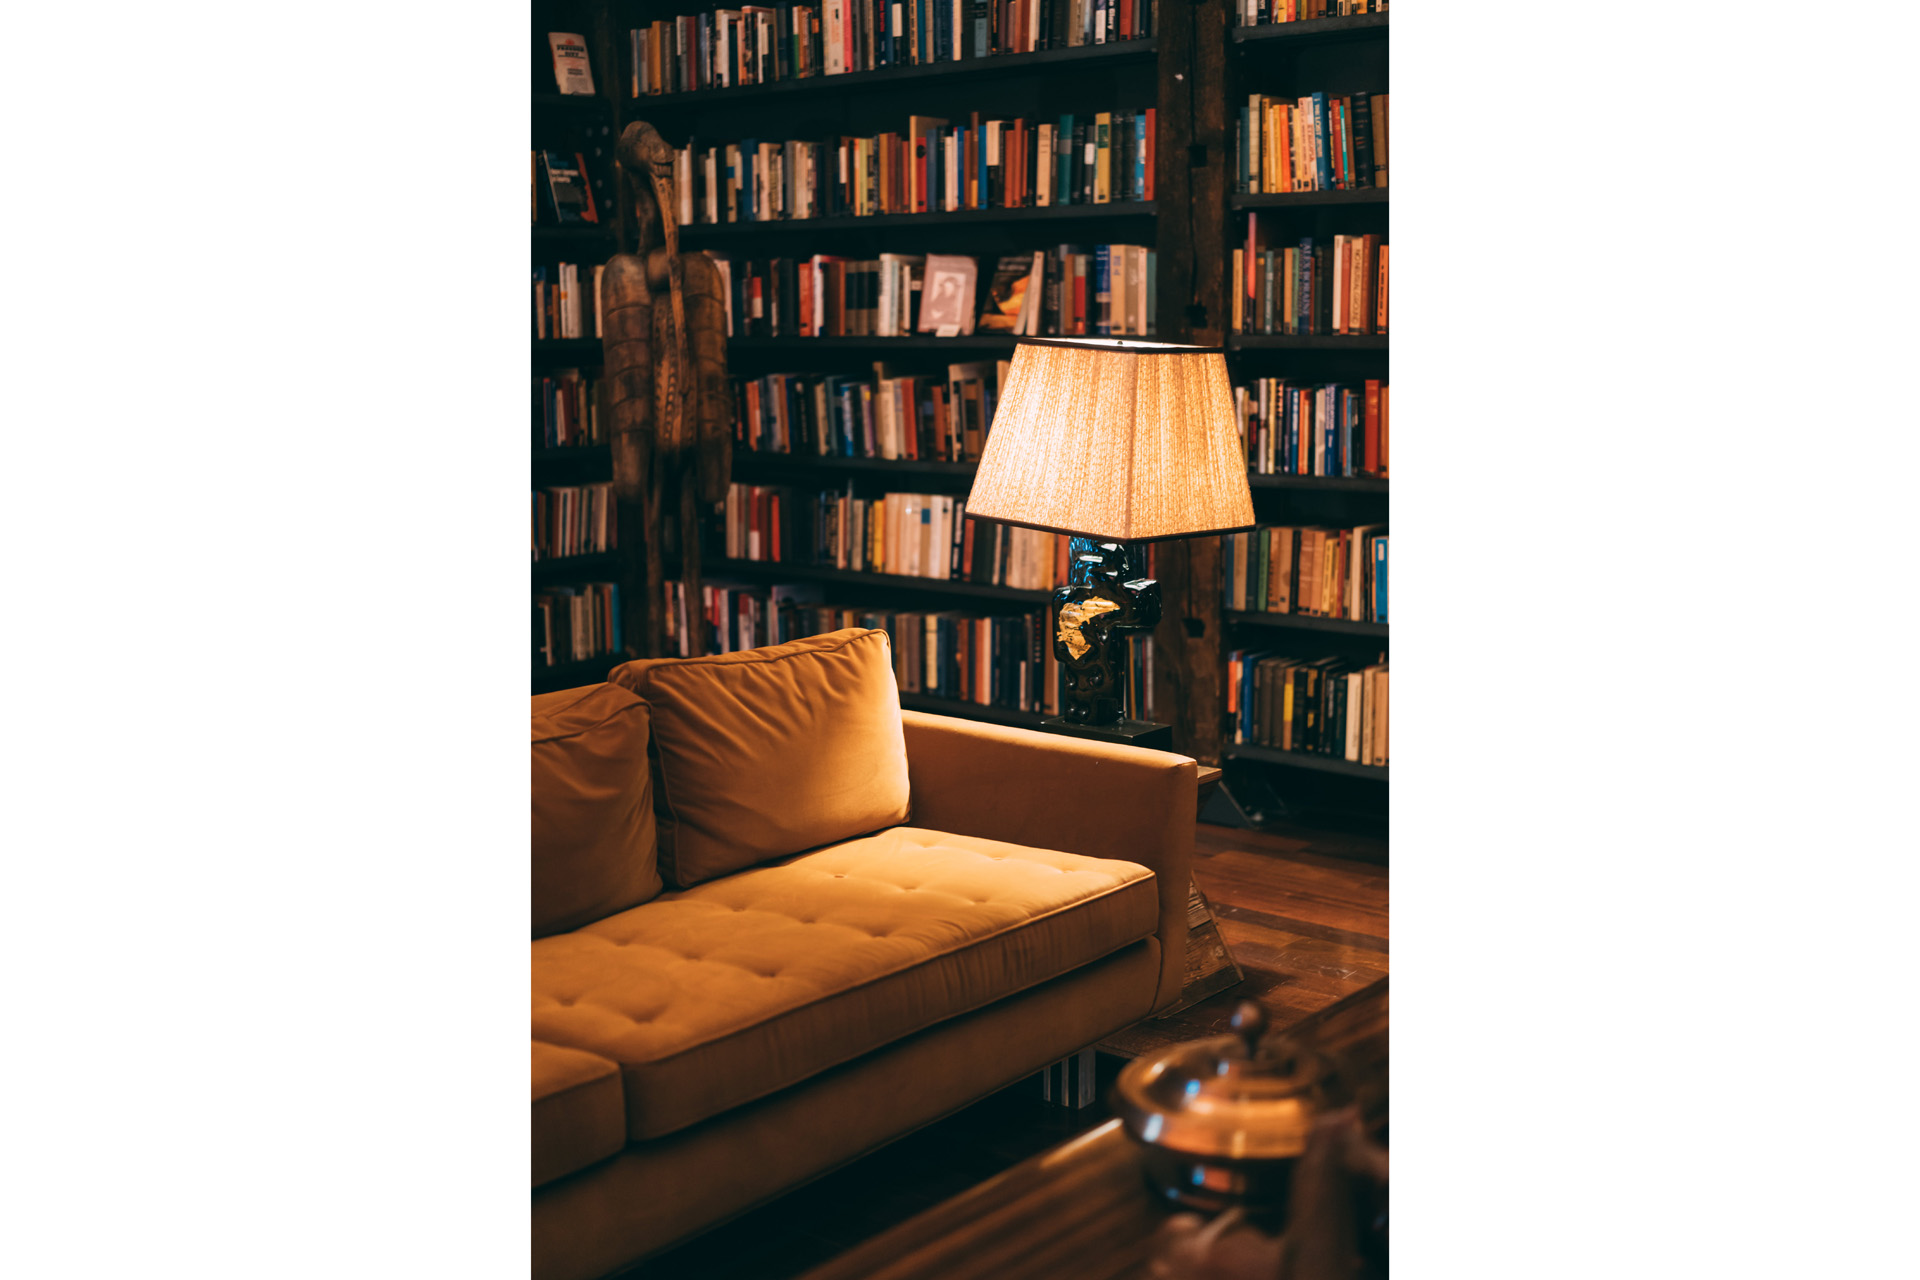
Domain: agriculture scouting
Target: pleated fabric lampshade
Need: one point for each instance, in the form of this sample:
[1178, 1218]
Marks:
[1114, 439]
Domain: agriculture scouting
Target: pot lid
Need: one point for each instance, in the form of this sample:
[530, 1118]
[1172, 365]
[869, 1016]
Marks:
[1236, 1097]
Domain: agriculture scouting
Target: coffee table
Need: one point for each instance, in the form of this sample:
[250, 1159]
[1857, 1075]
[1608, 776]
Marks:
[1082, 1210]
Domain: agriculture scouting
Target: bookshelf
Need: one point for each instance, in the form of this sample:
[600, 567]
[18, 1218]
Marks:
[1197, 68]
[1335, 56]
[587, 125]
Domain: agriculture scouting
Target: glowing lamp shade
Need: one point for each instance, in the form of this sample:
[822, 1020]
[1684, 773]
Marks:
[1116, 440]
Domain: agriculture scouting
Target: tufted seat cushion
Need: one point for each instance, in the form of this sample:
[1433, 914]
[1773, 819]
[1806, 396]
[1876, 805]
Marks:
[726, 992]
[577, 1118]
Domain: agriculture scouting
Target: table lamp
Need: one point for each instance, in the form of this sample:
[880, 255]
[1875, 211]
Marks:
[1111, 441]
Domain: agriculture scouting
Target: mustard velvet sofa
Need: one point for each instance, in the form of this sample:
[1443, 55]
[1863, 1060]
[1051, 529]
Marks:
[780, 922]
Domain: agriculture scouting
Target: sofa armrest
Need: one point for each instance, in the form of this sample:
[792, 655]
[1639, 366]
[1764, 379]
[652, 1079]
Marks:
[1051, 791]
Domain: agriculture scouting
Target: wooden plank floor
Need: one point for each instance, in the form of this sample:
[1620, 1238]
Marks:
[1307, 922]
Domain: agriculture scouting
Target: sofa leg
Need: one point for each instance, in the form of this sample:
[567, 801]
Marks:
[1069, 1082]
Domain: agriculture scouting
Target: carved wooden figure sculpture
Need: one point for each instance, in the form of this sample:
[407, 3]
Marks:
[664, 324]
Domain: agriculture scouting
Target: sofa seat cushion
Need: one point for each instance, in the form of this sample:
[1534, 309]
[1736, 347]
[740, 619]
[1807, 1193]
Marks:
[578, 1115]
[716, 995]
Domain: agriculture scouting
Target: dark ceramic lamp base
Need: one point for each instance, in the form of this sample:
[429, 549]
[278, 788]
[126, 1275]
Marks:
[1093, 614]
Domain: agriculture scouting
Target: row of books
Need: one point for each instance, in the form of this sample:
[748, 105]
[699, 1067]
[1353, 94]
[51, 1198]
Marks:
[572, 520]
[1311, 143]
[915, 535]
[566, 411]
[1336, 287]
[991, 660]
[1067, 290]
[1300, 429]
[929, 167]
[574, 623]
[566, 301]
[893, 416]
[1320, 706]
[763, 44]
[1258, 13]
[1315, 572]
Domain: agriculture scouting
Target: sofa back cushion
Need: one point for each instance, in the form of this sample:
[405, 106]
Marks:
[593, 826]
[768, 752]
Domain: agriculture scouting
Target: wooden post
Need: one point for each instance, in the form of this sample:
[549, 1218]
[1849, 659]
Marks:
[1190, 189]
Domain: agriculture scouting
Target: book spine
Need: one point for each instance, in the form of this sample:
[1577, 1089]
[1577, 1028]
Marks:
[1322, 169]
[1102, 290]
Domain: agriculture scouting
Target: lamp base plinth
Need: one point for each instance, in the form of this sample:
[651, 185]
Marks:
[1128, 733]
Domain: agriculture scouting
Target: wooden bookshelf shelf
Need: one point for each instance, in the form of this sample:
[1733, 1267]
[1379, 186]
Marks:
[1318, 29]
[971, 710]
[701, 232]
[1047, 60]
[1291, 199]
[1321, 484]
[1302, 760]
[550, 352]
[569, 675]
[582, 454]
[1307, 342]
[916, 342]
[767, 570]
[587, 237]
[803, 462]
[568, 101]
[568, 568]
[1307, 622]
[793, 463]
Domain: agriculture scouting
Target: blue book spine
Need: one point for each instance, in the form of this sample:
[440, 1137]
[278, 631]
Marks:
[1140, 155]
[1063, 162]
[1380, 578]
[1102, 291]
[1322, 138]
[1329, 459]
[1291, 412]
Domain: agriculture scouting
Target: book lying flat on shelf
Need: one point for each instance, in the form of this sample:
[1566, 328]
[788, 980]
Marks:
[570, 67]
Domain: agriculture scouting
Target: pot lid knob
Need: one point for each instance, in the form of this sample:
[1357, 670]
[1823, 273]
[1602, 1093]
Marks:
[1249, 1022]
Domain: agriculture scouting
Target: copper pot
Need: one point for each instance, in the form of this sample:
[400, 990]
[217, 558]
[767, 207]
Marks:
[1223, 1121]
